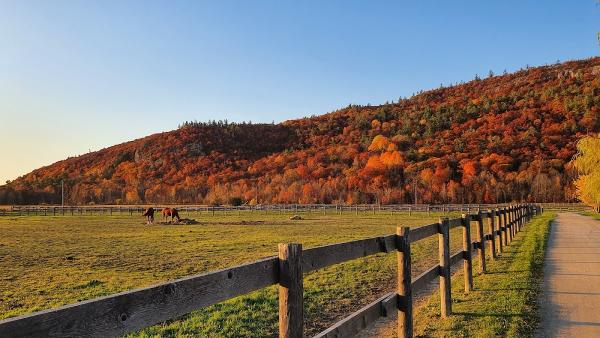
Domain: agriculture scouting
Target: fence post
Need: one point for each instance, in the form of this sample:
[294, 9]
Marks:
[481, 238]
[519, 217]
[498, 229]
[444, 254]
[510, 223]
[513, 221]
[404, 289]
[467, 250]
[291, 308]
[500, 233]
[491, 227]
[504, 226]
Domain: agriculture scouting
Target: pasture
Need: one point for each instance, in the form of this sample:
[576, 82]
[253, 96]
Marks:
[49, 261]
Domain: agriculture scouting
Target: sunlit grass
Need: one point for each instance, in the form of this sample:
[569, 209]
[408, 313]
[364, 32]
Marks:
[51, 261]
[503, 303]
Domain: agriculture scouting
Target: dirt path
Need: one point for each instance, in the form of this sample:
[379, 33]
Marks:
[571, 291]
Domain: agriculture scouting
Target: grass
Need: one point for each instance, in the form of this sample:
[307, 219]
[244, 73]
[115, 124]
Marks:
[49, 261]
[504, 301]
[594, 215]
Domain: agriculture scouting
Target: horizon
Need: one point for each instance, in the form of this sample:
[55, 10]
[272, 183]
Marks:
[66, 80]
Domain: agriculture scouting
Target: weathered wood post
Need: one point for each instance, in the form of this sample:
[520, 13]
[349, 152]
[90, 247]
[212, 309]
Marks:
[404, 289]
[513, 221]
[467, 250]
[522, 216]
[518, 218]
[291, 308]
[491, 227]
[499, 230]
[481, 238]
[504, 226]
[444, 255]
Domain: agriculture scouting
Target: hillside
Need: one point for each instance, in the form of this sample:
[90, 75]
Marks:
[503, 138]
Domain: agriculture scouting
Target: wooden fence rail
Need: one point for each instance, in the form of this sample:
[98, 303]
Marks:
[133, 310]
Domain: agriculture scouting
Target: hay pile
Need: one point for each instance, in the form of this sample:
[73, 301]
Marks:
[183, 221]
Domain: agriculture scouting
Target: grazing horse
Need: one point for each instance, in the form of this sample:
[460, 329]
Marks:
[172, 212]
[149, 213]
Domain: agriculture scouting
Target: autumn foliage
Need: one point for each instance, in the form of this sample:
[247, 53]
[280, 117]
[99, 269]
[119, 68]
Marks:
[587, 163]
[504, 138]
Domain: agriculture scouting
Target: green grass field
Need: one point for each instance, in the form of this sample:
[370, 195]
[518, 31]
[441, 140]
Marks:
[50, 261]
[504, 300]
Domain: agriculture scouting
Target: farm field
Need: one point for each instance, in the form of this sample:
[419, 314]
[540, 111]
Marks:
[50, 261]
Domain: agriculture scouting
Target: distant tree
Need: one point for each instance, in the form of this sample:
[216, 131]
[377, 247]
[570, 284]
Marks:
[235, 201]
[587, 163]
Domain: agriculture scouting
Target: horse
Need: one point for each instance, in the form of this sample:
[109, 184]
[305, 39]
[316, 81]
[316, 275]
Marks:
[149, 213]
[172, 212]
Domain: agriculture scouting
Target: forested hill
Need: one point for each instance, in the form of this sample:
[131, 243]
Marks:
[502, 138]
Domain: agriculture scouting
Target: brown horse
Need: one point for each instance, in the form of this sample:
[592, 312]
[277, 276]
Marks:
[170, 212]
[149, 213]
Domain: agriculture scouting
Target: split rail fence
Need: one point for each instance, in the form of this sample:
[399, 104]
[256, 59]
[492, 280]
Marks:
[133, 310]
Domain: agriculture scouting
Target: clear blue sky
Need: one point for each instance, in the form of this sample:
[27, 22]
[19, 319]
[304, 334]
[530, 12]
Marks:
[81, 75]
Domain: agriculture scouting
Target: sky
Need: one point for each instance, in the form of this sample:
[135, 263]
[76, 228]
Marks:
[78, 76]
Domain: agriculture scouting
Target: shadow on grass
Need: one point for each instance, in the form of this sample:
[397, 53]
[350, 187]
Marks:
[503, 272]
[488, 314]
[504, 289]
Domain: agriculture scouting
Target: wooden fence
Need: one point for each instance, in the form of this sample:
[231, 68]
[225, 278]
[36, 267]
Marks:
[133, 310]
[43, 210]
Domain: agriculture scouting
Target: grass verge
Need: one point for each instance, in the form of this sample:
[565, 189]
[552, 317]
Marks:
[594, 215]
[504, 299]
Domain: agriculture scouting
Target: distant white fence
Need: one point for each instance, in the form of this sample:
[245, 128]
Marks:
[52, 210]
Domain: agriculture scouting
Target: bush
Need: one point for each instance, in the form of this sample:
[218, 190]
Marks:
[236, 201]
